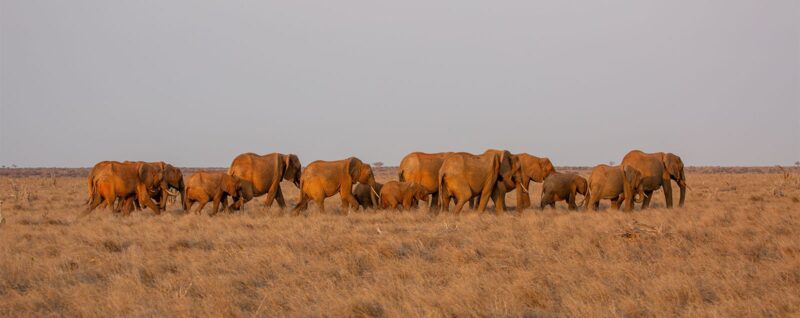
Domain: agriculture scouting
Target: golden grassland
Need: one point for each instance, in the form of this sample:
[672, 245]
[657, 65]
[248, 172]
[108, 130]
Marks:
[733, 251]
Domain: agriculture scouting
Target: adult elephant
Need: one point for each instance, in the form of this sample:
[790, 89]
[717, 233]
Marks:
[173, 177]
[657, 170]
[505, 185]
[126, 181]
[532, 168]
[464, 176]
[323, 179]
[265, 174]
[423, 169]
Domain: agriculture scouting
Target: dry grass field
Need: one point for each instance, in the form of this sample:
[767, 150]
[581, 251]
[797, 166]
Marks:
[734, 251]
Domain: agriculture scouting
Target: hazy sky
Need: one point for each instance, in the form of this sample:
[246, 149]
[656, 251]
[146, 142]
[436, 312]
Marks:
[197, 82]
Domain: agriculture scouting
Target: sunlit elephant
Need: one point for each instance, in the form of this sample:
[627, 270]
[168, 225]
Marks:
[464, 176]
[126, 181]
[173, 177]
[322, 179]
[563, 186]
[607, 183]
[401, 195]
[423, 169]
[534, 169]
[204, 186]
[505, 185]
[265, 174]
[657, 170]
[363, 194]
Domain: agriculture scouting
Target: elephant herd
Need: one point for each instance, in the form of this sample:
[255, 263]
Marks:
[435, 178]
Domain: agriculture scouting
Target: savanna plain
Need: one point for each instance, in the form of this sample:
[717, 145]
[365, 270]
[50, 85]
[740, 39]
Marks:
[733, 251]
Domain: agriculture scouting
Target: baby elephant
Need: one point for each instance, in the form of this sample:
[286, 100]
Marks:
[212, 186]
[395, 193]
[607, 182]
[362, 194]
[563, 186]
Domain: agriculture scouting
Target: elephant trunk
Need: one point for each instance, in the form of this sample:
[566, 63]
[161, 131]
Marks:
[640, 195]
[627, 191]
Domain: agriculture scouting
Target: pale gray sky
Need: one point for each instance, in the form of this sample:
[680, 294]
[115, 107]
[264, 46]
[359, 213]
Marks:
[197, 82]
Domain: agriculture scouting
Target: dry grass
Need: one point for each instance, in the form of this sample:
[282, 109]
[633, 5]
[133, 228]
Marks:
[734, 251]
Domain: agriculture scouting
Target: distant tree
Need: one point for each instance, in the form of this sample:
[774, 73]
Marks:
[611, 163]
[377, 164]
[797, 163]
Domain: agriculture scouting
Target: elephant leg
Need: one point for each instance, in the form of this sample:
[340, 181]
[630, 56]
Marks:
[188, 205]
[434, 204]
[302, 205]
[616, 203]
[280, 199]
[668, 193]
[459, 205]
[473, 202]
[215, 204]
[202, 205]
[320, 201]
[499, 198]
[647, 197]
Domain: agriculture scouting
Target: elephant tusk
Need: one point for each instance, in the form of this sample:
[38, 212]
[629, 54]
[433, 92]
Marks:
[376, 193]
[523, 188]
[172, 192]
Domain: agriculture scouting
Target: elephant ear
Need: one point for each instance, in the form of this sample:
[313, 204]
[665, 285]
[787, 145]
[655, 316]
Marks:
[631, 173]
[674, 165]
[352, 168]
[145, 172]
[291, 166]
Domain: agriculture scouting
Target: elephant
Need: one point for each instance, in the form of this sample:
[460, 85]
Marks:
[206, 186]
[363, 194]
[534, 169]
[125, 181]
[401, 195]
[173, 177]
[423, 169]
[657, 170]
[265, 174]
[504, 185]
[606, 182]
[563, 186]
[464, 176]
[322, 179]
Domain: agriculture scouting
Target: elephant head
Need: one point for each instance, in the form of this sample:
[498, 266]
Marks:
[545, 169]
[151, 175]
[173, 178]
[674, 166]
[232, 185]
[632, 184]
[419, 192]
[244, 193]
[582, 188]
[508, 169]
[291, 169]
[358, 171]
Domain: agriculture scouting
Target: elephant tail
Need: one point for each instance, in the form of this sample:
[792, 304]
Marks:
[91, 188]
[400, 176]
[444, 196]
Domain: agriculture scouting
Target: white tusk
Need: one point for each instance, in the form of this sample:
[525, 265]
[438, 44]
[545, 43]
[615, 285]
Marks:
[172, 192]
[524, 188]
[376, 193]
